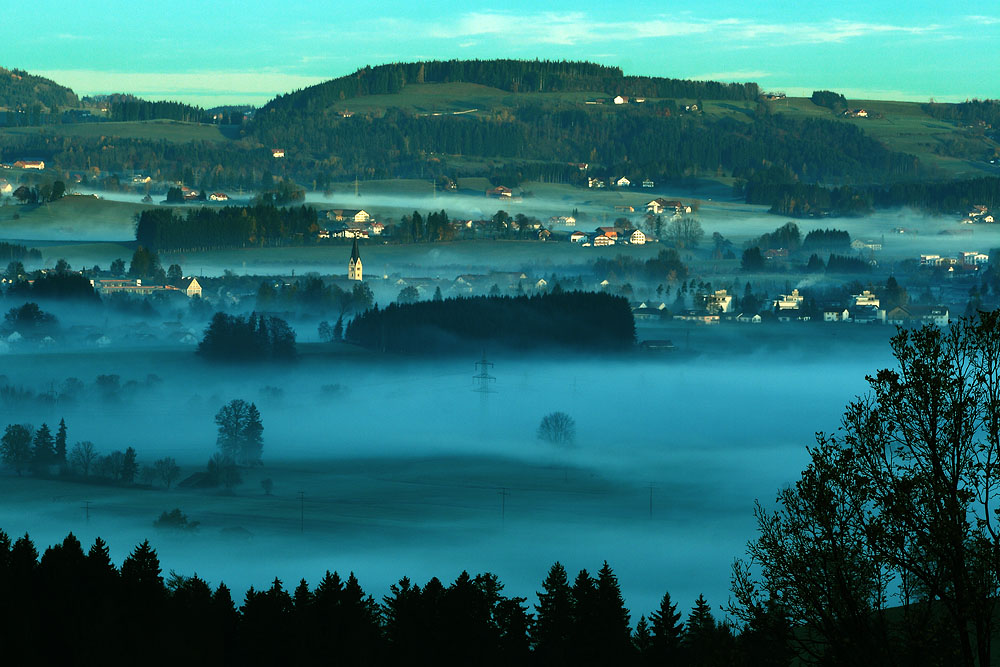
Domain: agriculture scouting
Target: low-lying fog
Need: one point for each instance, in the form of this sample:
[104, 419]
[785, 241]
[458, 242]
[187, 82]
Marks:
[402, 465]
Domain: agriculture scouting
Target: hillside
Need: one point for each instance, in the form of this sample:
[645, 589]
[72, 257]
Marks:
[515, 121]
[27, 92]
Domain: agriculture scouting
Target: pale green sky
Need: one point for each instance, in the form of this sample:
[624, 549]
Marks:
[233, 52]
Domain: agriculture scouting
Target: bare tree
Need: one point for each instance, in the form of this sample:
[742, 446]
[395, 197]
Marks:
[684, 232]
[557, 428]
[167, 470]
[83, 456]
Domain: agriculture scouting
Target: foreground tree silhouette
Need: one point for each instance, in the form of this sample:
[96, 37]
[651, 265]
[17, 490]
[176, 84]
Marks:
[899, 509]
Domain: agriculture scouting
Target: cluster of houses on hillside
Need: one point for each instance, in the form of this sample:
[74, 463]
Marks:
[978, 213]
[863, 308]
[605, 236]
[618, 182]
[346, 223]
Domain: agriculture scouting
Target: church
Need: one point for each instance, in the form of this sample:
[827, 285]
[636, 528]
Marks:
[354, 266]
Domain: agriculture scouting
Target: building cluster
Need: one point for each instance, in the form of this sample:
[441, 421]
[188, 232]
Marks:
[978, 213]
[605, 236]
[969, 259]
[864, 308]
[618, 182]
[346, 223]
[189, 286]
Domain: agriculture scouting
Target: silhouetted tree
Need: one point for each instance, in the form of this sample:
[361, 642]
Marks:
[15, 447]
[557, 428]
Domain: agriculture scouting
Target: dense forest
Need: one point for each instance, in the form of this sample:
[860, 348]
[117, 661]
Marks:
[969, 113]
[130, 108]
[29, 93]
[567, 320]
[781, 189]
[229, 227]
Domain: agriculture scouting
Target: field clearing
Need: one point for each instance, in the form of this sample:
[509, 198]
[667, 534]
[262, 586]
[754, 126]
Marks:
[905, 128]
[170, 130]
[448, 98]
[76, 217]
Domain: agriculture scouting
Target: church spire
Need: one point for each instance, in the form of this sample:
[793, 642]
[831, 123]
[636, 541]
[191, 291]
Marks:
[354, 266]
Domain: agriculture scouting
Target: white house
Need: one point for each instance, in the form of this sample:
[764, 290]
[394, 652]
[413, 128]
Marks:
[620, 99]
[577, 237]
[648, 183]
[791, 301]
[277, 152]
[621, 182]
[719, 302]
[637, 238]
[866, 298]
[218, 196]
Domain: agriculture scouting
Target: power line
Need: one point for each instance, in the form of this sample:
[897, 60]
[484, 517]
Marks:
[302, 511]
[482, 378]
[503, 492]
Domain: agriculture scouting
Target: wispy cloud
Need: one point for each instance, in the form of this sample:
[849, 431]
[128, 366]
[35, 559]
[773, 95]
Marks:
[580, 28]
[983, 20]
[735, 75]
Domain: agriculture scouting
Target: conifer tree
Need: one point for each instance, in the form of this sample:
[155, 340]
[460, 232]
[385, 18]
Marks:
[42, 448]
[612, 618]
[666, 630]
[550, 633]
[61, 443]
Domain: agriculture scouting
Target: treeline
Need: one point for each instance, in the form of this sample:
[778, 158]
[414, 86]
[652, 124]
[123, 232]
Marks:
[788, 237]
[229, 227]
[573, 320]
[313, 296]
[787, 196]
[969, 112]
[131, 108]
[74, 605]
[666, 267]
[517, 76]
[15, 252]
[828, 99]
[251, 338]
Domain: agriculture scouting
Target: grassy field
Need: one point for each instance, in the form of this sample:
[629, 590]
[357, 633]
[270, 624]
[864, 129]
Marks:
[169, 130]
[78, 218]
[904, 127]
[446, 98]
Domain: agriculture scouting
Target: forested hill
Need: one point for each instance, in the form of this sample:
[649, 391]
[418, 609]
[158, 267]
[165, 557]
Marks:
[22, 91]
[516, 76]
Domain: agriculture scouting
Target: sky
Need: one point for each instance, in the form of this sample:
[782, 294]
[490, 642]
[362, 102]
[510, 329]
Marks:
[229, 52]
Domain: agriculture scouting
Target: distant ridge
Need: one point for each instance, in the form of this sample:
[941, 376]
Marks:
[516, 76]
[22, 91]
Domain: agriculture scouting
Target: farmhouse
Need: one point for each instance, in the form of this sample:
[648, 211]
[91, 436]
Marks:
[620, 99]
[277, 152]
[637, 237]
[218, 196]
[648, 183]
[622, 182]
[719, 302]
[499, 192]
[577, 237]
[191, 287]
[30, 164]
[359, 216]
[594, 182]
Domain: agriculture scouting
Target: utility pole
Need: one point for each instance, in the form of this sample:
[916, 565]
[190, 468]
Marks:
[357, 192]
[86, 506]
[302, 511]
[650, 500]
[503, 492]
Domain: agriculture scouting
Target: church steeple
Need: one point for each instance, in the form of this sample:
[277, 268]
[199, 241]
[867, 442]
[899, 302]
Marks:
[354, 266]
